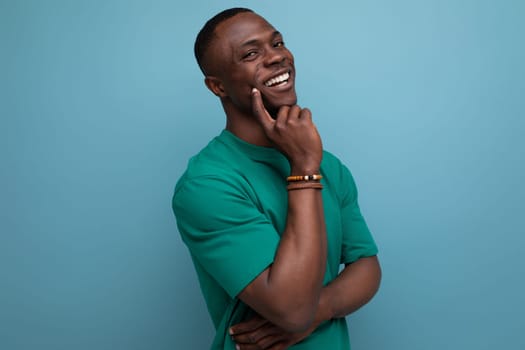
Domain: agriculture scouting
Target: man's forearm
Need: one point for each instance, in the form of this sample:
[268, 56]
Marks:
[300, 261]
[353, 288]
[288, 292]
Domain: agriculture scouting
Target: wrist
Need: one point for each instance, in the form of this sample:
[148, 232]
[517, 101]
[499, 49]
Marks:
[304, 169]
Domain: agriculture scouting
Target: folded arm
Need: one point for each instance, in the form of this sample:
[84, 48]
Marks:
[353, 288]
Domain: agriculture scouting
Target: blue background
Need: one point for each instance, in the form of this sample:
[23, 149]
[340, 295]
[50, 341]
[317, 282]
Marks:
[102, 104]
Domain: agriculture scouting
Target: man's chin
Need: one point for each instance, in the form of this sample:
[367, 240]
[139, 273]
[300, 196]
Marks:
[274, 104]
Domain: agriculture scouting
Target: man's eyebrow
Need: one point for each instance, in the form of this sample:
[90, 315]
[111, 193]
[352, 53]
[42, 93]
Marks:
[256, 41]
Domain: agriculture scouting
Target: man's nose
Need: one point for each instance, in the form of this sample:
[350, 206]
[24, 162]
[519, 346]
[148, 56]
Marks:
[274, 56]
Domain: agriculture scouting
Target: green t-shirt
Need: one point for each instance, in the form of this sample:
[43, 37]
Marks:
[231, 207]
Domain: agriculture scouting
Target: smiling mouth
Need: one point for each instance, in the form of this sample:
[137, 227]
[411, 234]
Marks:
[278, 80]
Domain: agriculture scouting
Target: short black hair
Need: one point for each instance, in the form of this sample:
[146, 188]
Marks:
[206, 34]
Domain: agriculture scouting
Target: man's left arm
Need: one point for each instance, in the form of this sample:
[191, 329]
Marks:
[353, 288]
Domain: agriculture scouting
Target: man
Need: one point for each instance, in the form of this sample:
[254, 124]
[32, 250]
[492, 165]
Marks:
[267, 215]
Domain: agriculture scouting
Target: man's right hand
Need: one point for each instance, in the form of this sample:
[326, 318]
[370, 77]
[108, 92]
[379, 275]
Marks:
[293, 133]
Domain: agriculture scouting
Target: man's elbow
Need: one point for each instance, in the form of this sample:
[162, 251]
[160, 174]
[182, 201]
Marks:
[296, 321]
[288, 308]
[292, 314]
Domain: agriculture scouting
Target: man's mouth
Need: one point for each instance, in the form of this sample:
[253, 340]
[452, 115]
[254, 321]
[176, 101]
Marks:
[278, 80]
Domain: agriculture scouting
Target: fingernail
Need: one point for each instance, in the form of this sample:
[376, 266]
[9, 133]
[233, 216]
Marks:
[254, 90]
[237, 347]
[231, 331]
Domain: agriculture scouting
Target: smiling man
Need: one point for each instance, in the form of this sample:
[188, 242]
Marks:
[267, 214]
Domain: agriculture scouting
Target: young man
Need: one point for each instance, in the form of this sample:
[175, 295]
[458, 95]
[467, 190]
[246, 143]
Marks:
[267, 215]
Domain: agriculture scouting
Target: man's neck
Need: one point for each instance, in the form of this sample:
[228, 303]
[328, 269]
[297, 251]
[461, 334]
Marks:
[250, 132]
[245, 126]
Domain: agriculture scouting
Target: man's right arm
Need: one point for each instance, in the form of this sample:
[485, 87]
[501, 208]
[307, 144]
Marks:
[287, 292]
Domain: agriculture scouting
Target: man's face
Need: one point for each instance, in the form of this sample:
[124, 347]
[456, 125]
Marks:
[248, 53]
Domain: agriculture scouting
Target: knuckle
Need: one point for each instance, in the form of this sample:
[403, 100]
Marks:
[280, 126]
[305, 113]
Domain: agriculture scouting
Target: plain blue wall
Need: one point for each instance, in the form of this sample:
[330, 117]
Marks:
[102, 104]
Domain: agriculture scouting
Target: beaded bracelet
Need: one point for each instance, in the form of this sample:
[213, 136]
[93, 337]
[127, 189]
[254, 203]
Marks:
[314, 177]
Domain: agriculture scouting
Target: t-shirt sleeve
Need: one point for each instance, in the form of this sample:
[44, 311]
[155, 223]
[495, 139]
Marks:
[224, 230]
[357, 239]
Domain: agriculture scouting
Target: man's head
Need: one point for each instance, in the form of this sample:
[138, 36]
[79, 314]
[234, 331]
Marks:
[238, 50]
[207, 34]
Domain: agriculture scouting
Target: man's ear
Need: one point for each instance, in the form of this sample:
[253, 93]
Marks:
[215, 86]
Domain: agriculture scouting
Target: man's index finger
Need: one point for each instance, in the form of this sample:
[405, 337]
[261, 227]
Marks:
[259, 110]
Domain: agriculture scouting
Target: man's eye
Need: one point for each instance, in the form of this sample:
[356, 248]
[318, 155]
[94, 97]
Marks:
[250, 54]
[278, 44]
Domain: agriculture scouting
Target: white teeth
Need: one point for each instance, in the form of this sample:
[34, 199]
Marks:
[278, 79]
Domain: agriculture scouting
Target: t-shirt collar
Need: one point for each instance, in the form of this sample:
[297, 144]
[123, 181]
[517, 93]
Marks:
[254, 151]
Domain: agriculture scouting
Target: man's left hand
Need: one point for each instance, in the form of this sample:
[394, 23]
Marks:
[258, 333]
